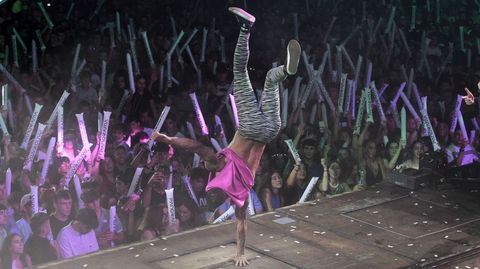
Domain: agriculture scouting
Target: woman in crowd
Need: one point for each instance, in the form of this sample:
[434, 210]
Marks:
[272, 196]
[13, 255]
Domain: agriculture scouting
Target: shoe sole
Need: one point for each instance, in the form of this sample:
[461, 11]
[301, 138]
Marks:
[242, 14]
[293, 56]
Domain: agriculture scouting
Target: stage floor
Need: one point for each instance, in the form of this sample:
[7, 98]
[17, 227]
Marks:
[383, 227]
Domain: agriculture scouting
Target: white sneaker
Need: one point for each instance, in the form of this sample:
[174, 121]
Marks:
[245, 18]
[293, 56]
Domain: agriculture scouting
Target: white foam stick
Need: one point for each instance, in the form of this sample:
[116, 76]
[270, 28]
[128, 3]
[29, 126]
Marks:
[472, 136]
[134, 183]
[458, 105]
[174, 28]
[321, 67]
[33, 150]
[192, 60]
[308, 190]
[34, 57]
[383, 89]
[161, 76]
[34, 192]
[347, 57]
[196, 160]
[15, 51]
[426, 121]
[396, 117]
[130, 73]
[83, 129]
[358, 68]
[417, 95]
[118, 26]
[313, 114]
[4, 126]
[225, 216]
[413, 17]
[11, 119]
[75, 60]
[251, 209]
[305, 62]
[296, 87]
[462, 44]
[59, 104]
[111, 220]
[30, 127]
[75, 164]
[404, 41]
[368, 105]
[60, 129]
[147, 47]
[45, 15]
[234, 109]
[199, 114]
[323, 108]
[219, 125]
[204, 45]
[78, 191]
[70, 9]
[462, 124]
[159, 124]
[388, 29]
[295, 25]
[175, 43]
[348, 96]
[361, 109]
[378, 103]
[477, 41]
[368, 77]
[103, 134]
[437, 6]
[325, 94]
[190, 37]
[410, 107]
[352, 33]
[7, 51]
[122, 103]
[8, 182]
[215, 144]
[188, 186]
[341, 95]
[40, 40]
[169, 71]
[306, 93]
[284, 105]
[10, 78]
[475, 124]
[191, 131]
[111, 32]
[338, 61]
[48, 158]
[403, 125]
[330, 63]
[329, 29]
[170, 206]
[293, 151]
[19, 38]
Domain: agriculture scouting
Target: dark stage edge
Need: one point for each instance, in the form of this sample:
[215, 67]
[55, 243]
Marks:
[383, 227]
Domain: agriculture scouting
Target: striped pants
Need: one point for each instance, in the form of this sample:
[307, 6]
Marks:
[261, 125]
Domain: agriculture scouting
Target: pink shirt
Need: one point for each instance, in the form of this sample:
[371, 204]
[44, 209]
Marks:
[235, 179]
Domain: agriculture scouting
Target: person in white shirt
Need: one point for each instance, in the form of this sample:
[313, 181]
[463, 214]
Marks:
[459, 152]
[78, 238]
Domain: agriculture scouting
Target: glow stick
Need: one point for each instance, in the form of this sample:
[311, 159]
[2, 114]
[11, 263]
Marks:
[308, 190]
[83, 129]
[175, 43]
[462, 44]
[204, 45]
[169, 71]
[321, 68]
[295, 25]
[403, 125]
[45, 14]
[194, 64]
[40, 40]
[437, 6]
[429, 8]
[293, 151]
[8, 182]
[396, 117]
[361, 109]
[188, 185]
[399, 91]
[348, 97]
[4, 96]
[59, 104]
[196, 160]
[219, 124]
[111, 219]
[191, 131]
[313, 113]
[390, 20]
[472, 136]
[75, 60]
[117, 23]
[19, 38]
[28, 103]
[284, 107]
[404, 41]
[251, 209]
[341, 96]
[147, 47]
[162, 72]
[78, 191]
[383, 89]
[234, 109]
[72, 5]
[413, 17]
[458, 104]
[103, 134]
[130, 73]
[338, 61]
[33, 150]
[34, 57]
[368, 77]
[306, 93]
[352, 33]
[112, 35]
[134, 183]
[3, 126]
[15, 51]
[10, 78]
[133, 50]
[324, 114]
[10, 116]
[368, 105]
[330, 67]
[75, 164]
[426, 121]
[222, 49]
[225, 216]
[34, 192]
[6, 55]
[170, 206]
[60, 129]
[80, 68]
[159, 124]
[410, 107]
[347, 57]
[329, 29]
[31, 125]
[190, 37]
[475, 124]
[215, 145]
[103, 77]
[325, 94]
[383, 119]
[462, 124]
[48, 158]
[199, 113]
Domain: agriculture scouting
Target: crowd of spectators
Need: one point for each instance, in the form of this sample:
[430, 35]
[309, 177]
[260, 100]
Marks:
[68, 225]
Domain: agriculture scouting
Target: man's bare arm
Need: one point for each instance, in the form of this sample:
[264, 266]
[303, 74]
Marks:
[241, 213]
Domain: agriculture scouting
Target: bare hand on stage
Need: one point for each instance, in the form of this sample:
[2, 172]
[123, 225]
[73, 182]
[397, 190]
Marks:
[240, 260]
[158, 137]
[469, 98]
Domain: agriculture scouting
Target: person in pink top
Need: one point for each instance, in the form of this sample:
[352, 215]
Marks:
[235, 166]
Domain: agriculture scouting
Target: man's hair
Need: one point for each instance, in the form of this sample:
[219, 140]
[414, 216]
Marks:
[89, 196]
[88, 217]
[62, 194]
[215, 197]
[37, 221]
[309, 142]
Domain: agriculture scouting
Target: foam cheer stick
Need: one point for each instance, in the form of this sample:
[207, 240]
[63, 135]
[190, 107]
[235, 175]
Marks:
[103, 134]
[170, 206]
[46, 163]
[135, 180]
[293, 151]
[33, 150]
[78, 191]
[147, 47]
[199, 114]
[59, 104]
[308, 190]
[426, 121]
[45, 14]
[458, 105]
[30, 127]
[158, 125]
[188, 185]
[225, 216]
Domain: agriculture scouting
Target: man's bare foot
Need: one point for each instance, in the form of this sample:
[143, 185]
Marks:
[240, 260]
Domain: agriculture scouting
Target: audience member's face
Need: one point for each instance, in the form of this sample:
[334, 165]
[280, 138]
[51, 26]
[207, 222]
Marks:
[392, 149]
[302, 172]
[458, 137]
[64, 167]
[184, 214]
[442, 129]
[135, 126]
[121, 83]
[161, 181]
[308, 151]
[141, 84]
[334, 170]
[3, 217]
[83, 228]
[16, 246]
[120, 187]
[68, 144]
[276, 180]
[171, 126]
[198, 184]
[64, 207]
[371, 149]
[95, 204]
[108, 165]
[45, 228]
